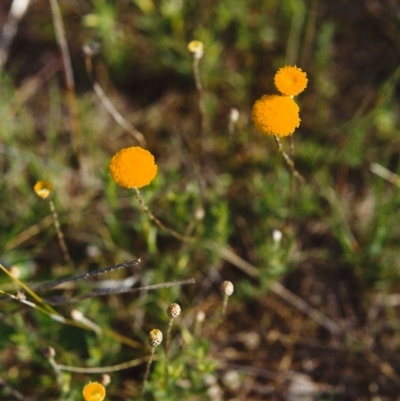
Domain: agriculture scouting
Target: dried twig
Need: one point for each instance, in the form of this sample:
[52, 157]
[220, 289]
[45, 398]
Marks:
[88, 51]
[10, 28]
[69, 77]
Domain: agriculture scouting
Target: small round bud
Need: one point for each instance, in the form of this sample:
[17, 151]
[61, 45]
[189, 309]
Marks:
[277, 236]
[93, 251]
[234, 115]
[200, 317]
[199, 213]
[49, 352]
[196, 48]
[43, 189]
[155, 337]
[91, 49]
[174, 310]
[76, 315]
[105, 379]
[227, 288]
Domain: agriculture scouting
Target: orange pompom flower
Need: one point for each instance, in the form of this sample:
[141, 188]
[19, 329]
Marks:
[276, 115]
[133, 167]
[290, 80]
[43, 189]
[94, 392]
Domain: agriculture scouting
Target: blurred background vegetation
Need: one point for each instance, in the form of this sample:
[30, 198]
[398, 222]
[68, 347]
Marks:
[314, 315]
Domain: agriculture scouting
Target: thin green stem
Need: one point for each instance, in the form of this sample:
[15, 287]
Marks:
[168, 337]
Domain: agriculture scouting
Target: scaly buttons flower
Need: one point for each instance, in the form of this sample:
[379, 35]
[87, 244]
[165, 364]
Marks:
[133, 167]
[290, 80]
[94, 392]
[155, 337]
[276, 115]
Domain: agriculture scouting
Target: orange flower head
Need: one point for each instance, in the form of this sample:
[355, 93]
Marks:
[94, 392]
[133, 167]
[43, 189]
[290, 80]
[276, 115]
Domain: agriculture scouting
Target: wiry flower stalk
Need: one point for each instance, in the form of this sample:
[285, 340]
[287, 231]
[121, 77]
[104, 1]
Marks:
[196, 48]
[43, 189]
[173, 311]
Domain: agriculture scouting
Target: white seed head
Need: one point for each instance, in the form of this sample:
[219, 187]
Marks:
[155, 337]
[227, 288]
[173, 310]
